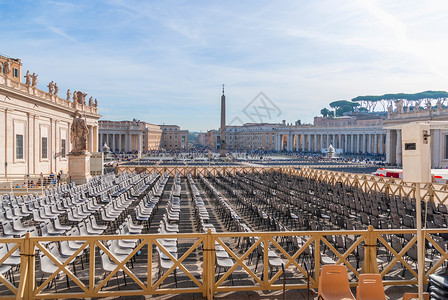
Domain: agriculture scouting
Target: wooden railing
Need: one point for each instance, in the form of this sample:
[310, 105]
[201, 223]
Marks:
[434, 192]
[203, 278]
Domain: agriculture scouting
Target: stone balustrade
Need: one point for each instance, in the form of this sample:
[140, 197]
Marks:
[5, 81]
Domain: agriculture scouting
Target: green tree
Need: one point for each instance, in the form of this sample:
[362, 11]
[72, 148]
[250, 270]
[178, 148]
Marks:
[325, 111]
[343, 106]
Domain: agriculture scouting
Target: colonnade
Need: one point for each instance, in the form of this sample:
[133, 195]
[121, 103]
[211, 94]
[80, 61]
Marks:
[122, 141]
[373, 143]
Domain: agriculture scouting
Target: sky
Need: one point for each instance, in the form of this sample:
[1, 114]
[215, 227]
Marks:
[164, 62]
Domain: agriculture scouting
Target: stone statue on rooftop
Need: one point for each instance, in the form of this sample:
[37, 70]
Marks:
[69, 95]
[390, 109]
[91, 101]
[7, 67]
[75, 97]
[439, 104]
[28, 78]
[417, 105]
[83, 98]
[95, 103]
[79, 133]
[50, 87]
[56, 89]
[34, 80]
[428, 105]
[399, 106]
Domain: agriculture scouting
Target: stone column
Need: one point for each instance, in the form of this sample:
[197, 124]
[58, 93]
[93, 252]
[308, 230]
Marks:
[358, 143]
[140, 143]
[398, 149]
[290, 141]
[321, 142]
[375, 144]
[346, 143]
[303, 142]
[353, 145]
[310, 144]
[435, 147]
[316, 140]
[90, 139]
[389, 146]
[49, 144]
[381, 150]
[95, 139]
[369, 143]
[363, 143]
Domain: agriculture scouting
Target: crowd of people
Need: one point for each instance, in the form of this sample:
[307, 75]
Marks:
[42, 181]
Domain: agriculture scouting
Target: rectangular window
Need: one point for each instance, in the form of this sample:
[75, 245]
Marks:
[15, 72]
[446, 146]
[63, 148]
[44, 148]
[19, 146]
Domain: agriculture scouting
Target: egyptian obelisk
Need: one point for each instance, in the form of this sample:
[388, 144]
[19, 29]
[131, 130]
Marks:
[222, 134]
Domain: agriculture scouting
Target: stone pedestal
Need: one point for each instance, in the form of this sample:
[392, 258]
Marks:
[79, 168]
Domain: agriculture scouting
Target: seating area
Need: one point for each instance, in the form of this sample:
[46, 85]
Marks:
[131, 204]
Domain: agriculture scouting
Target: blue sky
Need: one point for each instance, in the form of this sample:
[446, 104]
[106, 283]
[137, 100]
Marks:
[165, 61]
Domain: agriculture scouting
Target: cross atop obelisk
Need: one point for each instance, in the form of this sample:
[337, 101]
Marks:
[222, 133]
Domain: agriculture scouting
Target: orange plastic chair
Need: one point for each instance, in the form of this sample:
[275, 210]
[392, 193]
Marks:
[333, 283]
[409, 296]
[370, 287]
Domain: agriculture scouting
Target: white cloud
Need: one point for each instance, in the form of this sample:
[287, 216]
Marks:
[164, 62]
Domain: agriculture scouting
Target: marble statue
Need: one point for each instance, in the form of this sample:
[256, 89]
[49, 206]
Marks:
[428, 105]
[91, 101]
[417, 106]
[56, 89]
[439, 105]
[79, 133]
[28, 78]
[69, 95]
[95, 103]
[50, 87]
[34, 80]
[75, 97]
[7, 67]
[399, 106]
[84, 98]
[390, 109]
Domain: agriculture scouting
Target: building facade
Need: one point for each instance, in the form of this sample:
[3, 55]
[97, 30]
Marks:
[129, 136]
[173, 138]
[439, 134]
[374, 133]
[35, 125]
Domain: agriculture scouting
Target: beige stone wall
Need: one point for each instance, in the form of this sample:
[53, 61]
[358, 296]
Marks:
[36, 117]
[173, 138]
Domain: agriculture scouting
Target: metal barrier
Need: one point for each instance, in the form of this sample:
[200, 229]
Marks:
[197, 261]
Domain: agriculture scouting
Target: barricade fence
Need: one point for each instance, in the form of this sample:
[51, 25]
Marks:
[434, 192]
[210, 263]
